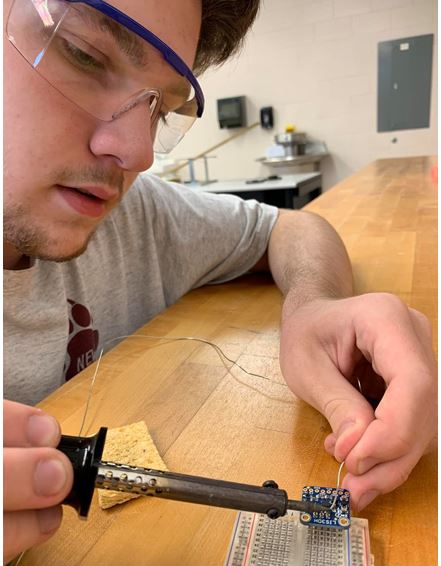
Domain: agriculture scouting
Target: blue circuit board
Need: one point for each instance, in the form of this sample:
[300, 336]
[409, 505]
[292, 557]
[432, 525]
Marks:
[339, 515]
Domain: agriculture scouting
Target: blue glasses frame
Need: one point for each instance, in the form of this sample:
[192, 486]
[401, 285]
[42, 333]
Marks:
[167, 52]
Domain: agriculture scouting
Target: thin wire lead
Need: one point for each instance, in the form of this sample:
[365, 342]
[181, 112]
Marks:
[338, 485]
[18, 560]
[343, 463]
[92, 383]
[217, 349]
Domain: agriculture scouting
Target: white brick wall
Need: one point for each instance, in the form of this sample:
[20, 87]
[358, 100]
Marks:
[315, 62]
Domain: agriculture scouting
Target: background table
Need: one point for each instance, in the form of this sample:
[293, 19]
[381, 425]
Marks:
[288, 191]
[207, 422]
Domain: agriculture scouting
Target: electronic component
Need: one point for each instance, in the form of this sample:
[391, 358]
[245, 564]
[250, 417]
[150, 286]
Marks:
[258, 541]
[337, 501]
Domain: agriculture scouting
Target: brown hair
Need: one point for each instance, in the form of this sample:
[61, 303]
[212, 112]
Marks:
[223, 29]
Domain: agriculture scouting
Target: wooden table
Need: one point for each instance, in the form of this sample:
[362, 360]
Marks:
[207, 422]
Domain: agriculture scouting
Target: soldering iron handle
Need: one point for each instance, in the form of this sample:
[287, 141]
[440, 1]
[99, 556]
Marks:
[85, 454]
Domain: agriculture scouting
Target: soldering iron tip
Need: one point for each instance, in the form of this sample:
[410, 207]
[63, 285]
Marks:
[306, 506]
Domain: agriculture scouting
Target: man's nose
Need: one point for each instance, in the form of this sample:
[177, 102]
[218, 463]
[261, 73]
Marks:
[128, 139]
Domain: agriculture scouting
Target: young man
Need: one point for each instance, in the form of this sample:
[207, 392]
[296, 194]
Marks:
[89, 92]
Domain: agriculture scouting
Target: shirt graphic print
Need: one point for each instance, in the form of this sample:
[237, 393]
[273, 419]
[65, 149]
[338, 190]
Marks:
[82, 342]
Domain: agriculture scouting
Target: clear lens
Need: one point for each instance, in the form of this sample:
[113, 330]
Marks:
[172, 126]
[170, 130]
[101, 66]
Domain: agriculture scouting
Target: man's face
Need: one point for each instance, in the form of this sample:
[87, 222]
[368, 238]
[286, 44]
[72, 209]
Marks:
[52, 147]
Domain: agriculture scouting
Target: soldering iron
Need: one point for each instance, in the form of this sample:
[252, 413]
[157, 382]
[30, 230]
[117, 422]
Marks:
[90, 472]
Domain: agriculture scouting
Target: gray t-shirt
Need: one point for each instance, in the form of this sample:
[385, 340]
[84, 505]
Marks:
[160, 242]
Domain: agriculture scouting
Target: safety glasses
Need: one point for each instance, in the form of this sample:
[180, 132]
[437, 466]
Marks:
[107, 63]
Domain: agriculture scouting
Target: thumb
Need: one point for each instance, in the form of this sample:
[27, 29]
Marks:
[27, 426]
[346, 410]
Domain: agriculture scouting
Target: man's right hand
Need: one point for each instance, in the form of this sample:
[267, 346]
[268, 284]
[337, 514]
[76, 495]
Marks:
[36, 478]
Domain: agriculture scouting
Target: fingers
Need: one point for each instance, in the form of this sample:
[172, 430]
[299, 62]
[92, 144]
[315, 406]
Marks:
[399, 429]
[349, 415]
[23, 529]
[318, 380]
[28, 426]
[381, 479]
[34, 478]
[405, 419]
[422, 327]
[329, 443]
[346, 410]
[322, 350]
[387, 336]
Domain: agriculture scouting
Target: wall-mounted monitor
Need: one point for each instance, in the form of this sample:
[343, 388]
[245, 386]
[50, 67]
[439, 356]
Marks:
[231, 112]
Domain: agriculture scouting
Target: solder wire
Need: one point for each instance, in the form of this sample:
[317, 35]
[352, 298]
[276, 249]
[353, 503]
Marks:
[338, 485]
[343, 463]
[92, 383]
[18, 559]
[217, 349]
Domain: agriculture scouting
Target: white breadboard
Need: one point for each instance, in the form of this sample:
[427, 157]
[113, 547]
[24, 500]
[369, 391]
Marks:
[260, 541]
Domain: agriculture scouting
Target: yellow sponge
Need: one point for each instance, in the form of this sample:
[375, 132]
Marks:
[133, 445]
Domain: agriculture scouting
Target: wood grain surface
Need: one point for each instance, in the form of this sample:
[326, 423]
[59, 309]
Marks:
[208, 421]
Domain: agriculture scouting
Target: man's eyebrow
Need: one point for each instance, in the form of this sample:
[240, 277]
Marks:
[129, 43]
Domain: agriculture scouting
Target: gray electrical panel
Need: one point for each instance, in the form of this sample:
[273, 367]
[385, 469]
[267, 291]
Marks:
[404, 83]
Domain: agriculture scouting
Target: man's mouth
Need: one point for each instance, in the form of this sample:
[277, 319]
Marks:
[85, 192]
[87, 201]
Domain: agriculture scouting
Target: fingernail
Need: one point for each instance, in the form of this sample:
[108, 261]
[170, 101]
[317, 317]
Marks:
[42, 430]
[49, 519]
[330, 441]
[365, 465]
[345, 429]
[49, 477]
[367, 498]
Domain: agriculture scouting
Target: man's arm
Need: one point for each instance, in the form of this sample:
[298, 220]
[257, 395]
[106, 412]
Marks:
[306, 254]
[344, 354]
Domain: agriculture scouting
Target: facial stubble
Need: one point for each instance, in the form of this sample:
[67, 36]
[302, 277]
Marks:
[33, 240]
